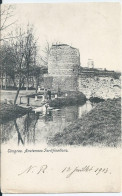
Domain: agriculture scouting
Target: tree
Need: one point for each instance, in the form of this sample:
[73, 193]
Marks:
[6, 13]
[22, 53]
[30, 51]
[26, 50]
[8, 63]
[45, 54]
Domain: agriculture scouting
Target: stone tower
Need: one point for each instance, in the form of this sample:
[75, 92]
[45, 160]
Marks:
[63, 67]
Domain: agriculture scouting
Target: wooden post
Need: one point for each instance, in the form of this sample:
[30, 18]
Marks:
[28, 100]
[20, 100]
[36, 97]
[56, 96]
[43, 98]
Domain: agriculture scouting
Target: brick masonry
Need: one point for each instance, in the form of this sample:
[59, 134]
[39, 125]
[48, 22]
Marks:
[65, 74]
[63, 68]
[99, 86]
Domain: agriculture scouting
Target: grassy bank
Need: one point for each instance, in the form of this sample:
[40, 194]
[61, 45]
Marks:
[9, 111]
[101, 126]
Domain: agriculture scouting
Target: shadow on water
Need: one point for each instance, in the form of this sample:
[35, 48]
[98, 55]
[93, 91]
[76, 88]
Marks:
[34, 128]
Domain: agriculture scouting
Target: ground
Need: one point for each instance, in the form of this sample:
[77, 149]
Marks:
[101, 126]
[72, 98]
[10, 112]
[10, 94]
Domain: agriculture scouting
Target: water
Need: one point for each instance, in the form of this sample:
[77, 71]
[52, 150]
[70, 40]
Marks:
[37, 128]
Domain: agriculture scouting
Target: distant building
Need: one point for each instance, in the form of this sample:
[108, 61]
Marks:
[90, 63]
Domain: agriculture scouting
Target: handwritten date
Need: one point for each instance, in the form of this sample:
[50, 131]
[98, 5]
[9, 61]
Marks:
[85, 169]
[67, 171]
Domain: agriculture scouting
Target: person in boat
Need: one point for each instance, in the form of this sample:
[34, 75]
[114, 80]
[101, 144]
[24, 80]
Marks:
[46, 106]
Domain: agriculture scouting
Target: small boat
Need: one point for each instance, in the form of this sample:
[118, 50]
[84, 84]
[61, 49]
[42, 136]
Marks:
[56, 109]
[40, 109]
[43, 109]
[50, 108]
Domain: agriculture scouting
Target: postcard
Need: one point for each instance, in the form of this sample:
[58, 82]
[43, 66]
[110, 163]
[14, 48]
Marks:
[60, 93]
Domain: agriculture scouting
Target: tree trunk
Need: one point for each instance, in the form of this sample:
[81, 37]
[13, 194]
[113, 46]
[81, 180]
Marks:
[27, 76]
[1, 81]
[37, 83]
[23, 84]
[27, 83]
[14, 81]
[5, 80]
[14, 84]
[19, 135]
[19, 87]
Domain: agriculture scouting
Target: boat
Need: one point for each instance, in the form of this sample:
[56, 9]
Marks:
[43, 109]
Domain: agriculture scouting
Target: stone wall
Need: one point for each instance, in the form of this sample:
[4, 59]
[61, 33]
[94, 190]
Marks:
[99, 86]
[63, 66]
[65, 83]
[63, 60]
[66, 74]
[48, 81]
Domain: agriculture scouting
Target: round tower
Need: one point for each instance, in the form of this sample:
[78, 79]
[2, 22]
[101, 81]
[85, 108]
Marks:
[63, 66]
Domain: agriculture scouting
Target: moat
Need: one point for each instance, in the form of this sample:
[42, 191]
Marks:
[37, 128]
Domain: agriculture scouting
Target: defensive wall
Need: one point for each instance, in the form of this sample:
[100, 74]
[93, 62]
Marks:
[63, 68]
[66, 74]
[99, 83]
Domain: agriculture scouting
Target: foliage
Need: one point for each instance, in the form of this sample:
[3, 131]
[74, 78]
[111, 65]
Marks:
[7, 19]
[101, 126]
[18, 55]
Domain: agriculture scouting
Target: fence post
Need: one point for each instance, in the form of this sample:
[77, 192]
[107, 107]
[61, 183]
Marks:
[28, 101]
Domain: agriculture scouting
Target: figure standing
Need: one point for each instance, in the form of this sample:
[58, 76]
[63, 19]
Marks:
[49, 94]
[45, 94]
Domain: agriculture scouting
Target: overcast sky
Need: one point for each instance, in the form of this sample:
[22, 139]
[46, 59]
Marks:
[93, 28]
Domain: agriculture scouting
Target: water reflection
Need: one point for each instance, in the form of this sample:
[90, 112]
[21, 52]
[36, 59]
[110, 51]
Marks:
[38, 127]
[85, 109]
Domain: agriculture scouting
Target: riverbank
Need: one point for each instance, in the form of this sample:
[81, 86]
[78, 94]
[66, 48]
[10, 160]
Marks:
[68, 98]
[64, 99]
[101, 126]
[10, 111]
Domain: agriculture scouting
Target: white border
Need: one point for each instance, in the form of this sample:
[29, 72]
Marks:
[55, 1]
[61, 1]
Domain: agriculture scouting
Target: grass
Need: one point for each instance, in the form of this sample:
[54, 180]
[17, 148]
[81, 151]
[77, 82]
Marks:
[10, 111]
[72, 98]
[101, 126]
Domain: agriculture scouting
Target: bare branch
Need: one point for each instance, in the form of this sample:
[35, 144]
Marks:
[6, 13]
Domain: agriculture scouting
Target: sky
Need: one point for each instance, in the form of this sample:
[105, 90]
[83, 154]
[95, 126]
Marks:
[93, 28]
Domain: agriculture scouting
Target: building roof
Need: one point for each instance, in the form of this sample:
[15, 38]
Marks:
[62, 45]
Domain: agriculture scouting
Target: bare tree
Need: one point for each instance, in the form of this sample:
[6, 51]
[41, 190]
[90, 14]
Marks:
[8, 63]
[30, 51]
[6, 13]
[45, 54]
[27, 47]
[22, 51]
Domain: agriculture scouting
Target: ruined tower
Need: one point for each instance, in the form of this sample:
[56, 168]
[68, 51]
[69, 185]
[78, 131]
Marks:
[63, 67]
